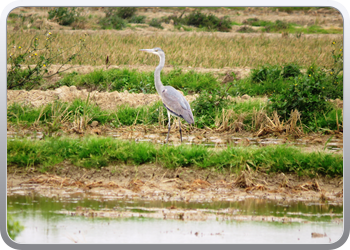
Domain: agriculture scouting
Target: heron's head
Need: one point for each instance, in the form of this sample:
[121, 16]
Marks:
[156, 51]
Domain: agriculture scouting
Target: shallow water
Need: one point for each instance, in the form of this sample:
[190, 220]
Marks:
[51, 220]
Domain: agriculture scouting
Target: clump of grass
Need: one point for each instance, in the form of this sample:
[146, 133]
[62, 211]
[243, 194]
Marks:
[98, 152]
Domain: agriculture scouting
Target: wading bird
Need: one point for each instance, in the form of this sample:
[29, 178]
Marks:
[173, 100]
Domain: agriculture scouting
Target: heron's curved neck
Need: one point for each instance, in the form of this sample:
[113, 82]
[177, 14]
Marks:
[157, 81]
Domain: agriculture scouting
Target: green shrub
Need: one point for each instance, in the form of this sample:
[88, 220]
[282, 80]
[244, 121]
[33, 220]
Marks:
[256, 22]
[63, 15]
[264, 73]
[137, 19]
[246, 29]
[126, 12]
[207, 106]
[210, 21]
[291, 70]
[40, 53]
[155, 22]
[112, 22]
[308, 94]
[277, 26]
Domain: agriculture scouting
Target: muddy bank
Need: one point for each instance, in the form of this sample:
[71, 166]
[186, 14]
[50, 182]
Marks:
[151, 182]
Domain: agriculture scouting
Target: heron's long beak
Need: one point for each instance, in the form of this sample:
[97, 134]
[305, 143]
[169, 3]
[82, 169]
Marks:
[147, 50]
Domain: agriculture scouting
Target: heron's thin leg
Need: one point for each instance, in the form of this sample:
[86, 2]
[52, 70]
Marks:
[167, 138]
[180, 130]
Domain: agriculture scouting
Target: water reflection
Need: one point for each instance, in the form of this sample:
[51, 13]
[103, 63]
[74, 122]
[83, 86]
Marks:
[47, 220]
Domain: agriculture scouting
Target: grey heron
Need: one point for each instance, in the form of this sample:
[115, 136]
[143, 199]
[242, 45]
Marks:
[173, 100]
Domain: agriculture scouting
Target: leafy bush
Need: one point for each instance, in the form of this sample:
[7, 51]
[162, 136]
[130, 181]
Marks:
[155, 22]
[200, 20]
[307, 94]
[291, 70]
[116, 17]
[112, 21]
[264, 73]
[40, 54]
[210, 21]
[137, 19]
[207, 106]
[126, 12]
[64, 15]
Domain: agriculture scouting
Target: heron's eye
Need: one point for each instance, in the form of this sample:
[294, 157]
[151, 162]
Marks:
[156, 50]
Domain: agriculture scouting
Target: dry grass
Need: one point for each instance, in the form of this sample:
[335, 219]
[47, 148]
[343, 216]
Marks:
[55, 180]
[275, 125]
[311, 185]
[229, 120]
[200, 183]
[208, 50]
[135, 185]
[244, 180]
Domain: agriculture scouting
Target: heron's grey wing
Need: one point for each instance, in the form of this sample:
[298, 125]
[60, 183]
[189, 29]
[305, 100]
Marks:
[176, 103]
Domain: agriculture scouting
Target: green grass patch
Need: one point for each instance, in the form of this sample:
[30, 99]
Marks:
[54, 115]
[140, 82]
[96, 152]
[282, 26]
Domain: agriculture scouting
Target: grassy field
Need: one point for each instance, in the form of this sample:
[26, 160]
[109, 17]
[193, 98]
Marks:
[197, 50]
[99, 152]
